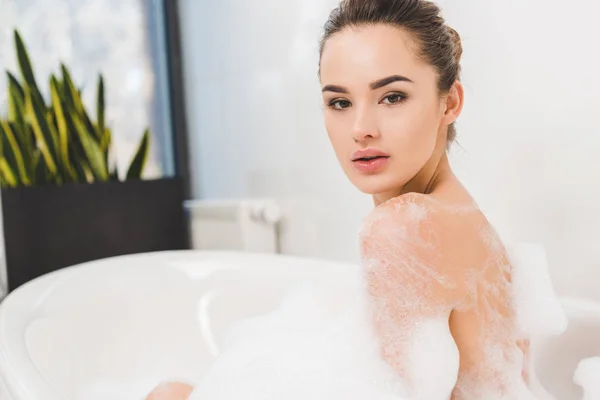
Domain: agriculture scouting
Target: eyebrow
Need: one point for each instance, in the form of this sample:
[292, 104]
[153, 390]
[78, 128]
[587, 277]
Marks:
[373, 85]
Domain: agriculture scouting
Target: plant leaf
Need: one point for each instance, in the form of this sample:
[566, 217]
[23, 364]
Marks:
[41, 172]
[92, 150]
[73, 99]
[14, 81]
[36, 161]
[17, 116]
[16, 111]
[15, 152]
[100, 108]
[23, 58]
[80, 163]
[7, 176]
[61, 126]
[105, 143]
[16, 97]
[141, 156]
[26, 68]
[42, 132]
[83, 132]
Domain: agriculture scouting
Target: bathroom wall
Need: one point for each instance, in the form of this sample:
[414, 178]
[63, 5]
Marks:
[530, 131]
[254, 108]
[528, 136]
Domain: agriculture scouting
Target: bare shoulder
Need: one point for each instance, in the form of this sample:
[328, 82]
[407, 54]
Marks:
[420, 215]
[400, 211]
[450, 237]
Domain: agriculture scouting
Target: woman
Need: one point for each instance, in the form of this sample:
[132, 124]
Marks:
[437, 276]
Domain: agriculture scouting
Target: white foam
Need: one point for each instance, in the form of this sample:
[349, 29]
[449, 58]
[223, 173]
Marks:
[303, 350]
[433, 354]
[539, 311]
[587, 375]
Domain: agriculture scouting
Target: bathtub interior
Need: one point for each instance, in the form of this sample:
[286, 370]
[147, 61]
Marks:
[138, 321]
[557, 357]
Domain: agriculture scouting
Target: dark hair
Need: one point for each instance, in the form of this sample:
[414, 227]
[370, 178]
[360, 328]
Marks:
[439, 45]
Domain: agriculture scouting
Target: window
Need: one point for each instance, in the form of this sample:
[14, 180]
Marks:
[122, 39]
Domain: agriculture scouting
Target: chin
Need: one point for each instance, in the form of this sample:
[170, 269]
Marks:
[377, 184]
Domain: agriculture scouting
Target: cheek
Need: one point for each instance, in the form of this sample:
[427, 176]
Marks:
[412, 132]
[337, 133]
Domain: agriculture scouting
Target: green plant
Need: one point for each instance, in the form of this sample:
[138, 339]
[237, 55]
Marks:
[58, 142]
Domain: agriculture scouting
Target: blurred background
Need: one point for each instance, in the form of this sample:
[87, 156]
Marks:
[123, 40]
[230, 94]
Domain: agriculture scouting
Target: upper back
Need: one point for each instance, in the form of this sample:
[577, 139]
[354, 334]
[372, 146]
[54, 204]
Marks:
[445, 257]
[453, 243]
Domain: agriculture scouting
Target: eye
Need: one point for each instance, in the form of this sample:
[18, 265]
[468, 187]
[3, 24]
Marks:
[339, 104]
[394, 98]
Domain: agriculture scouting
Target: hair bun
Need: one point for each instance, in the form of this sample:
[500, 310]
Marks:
[456, 44]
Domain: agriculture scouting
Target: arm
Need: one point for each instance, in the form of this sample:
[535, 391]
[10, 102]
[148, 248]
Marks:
[171, 391]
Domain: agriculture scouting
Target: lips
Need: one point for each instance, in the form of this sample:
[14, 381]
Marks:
[368, 154]
[369, 161]
[368, 158]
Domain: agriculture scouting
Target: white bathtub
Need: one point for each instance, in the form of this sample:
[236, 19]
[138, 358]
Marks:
[115, 328]
[557, 357]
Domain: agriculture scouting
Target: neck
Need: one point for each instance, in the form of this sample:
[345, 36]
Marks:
[435, 172]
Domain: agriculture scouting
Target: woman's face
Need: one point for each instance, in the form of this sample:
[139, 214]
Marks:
[381, 99]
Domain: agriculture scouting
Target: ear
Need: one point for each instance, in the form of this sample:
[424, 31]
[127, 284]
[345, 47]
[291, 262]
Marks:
[454, 103]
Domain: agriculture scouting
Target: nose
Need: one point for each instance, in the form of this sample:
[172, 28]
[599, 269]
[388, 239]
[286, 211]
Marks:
[365, 125]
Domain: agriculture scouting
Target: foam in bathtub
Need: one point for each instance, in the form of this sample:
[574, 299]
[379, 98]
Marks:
[538, 308]
[587, 375]
[302, 350]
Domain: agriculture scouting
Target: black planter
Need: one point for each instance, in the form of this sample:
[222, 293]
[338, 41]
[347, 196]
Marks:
[49, 227]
